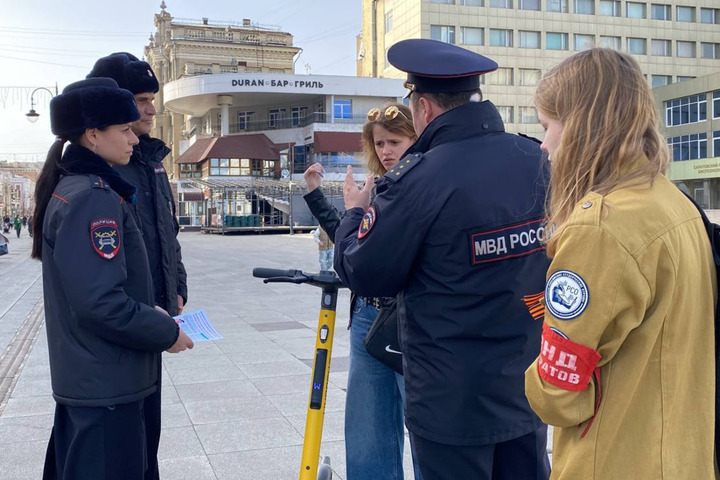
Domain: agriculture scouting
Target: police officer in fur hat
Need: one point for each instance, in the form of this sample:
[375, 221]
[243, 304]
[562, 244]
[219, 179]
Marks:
[466, 206]
[105, 336]
[156, 205]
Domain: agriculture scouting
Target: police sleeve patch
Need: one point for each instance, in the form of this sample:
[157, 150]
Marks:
[105, 237]
[367, 222]
[566, 295]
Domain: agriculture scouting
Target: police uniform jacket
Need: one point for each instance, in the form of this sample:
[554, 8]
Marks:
[630, 297]
[155, 214]
[329, 218]
[104, 335]
[457, 225]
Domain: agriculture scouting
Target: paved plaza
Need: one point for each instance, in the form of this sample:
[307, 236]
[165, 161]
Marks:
[232, 409]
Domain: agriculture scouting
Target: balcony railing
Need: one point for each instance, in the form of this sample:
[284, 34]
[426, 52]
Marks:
[278, 123]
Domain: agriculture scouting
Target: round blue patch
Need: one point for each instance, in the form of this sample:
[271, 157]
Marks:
[566, 295]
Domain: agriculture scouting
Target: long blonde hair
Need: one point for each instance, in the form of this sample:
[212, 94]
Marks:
[401, 125]
[609, 121]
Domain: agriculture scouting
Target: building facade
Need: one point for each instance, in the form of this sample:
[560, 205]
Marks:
[673, 40]
[690, 116]
[249, 137]
[183, 48]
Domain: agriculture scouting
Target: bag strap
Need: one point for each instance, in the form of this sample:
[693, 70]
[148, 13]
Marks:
[713, 231]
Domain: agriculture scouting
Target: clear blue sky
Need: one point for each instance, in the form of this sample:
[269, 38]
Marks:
[49, 41]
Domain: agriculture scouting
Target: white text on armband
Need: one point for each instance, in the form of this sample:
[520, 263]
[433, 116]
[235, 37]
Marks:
[508, 242]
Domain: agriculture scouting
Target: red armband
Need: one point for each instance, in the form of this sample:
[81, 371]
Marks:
[564, 363]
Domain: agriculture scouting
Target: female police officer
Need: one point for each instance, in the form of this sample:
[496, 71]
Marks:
[104, 337]
[626, 367]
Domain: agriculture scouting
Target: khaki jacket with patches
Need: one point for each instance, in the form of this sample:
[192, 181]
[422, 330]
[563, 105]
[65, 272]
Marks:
[644, 257]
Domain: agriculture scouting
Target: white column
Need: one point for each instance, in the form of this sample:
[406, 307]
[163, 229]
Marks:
[225, 101]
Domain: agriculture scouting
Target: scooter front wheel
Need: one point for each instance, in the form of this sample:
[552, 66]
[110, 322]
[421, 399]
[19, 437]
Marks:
[324, 470]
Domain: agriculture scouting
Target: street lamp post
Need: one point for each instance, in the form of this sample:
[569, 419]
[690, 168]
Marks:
[32, 115]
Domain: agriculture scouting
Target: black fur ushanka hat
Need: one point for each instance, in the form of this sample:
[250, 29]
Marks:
[129, 72]
[91, 103]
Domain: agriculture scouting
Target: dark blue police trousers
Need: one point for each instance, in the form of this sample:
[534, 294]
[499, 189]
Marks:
[523, 458]
[98, 443]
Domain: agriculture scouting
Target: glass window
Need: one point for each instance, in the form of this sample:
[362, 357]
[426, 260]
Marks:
[388, 21]
[660, 11]
[583, 42]
[685, 14]
[556, 41]
[637, 46]
[716, 143]
[689, 147]
[501, 38]
[276, 117]
[661, 80]
[501, 76]
[297, 114]
[610, 8]
[710, 50]
[506, 113]
[686, 49]
[681, 111]
[342, 108]
[635, 10]
[660, 48]
[444, 2]
[529, 77]
[472, 36]
[473, 3]
[444, 33]
[529, 5]
[716, 106]
[709, 15]
[557, 6]
[681, 78]
[528, 39]
[528, 115]
[244, 119]
[610, 42]
[586, 7]
[501, 3]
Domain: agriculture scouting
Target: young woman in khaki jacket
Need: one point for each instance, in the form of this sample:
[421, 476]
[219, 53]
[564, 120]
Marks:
[626, 371]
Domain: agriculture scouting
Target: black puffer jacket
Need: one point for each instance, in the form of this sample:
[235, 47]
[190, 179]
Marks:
[155, 214]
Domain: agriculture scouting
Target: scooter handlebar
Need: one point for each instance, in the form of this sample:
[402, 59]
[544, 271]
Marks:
[261, 272]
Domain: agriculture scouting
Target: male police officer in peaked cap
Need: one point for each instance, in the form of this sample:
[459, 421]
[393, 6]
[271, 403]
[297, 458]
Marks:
[155, 212]
[463, 211]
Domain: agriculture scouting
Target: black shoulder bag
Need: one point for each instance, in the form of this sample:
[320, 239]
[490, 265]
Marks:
[381, 341]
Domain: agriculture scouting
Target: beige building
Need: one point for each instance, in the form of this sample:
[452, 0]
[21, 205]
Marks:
[184, 48]
[690, 116]
[673, 40]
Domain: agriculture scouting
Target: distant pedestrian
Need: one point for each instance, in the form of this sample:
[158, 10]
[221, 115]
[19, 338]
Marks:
[325, 249]
[18, 225]
[29, 225]
[24, 220]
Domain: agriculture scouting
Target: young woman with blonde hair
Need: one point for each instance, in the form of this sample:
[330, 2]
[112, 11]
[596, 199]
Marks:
[374, 419]
[626, 371]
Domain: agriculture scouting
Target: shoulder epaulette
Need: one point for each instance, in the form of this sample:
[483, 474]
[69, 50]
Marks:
[403, 166]
[98, 182]
[530, 138]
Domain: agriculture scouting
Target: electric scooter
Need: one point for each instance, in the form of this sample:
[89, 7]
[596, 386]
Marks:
[310, 468]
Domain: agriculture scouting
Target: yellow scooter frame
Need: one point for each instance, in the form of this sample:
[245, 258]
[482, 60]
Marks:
[310, 468]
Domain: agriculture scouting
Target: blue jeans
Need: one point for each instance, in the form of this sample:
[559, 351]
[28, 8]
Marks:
[374, 418]
[326, 259]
